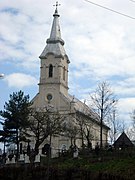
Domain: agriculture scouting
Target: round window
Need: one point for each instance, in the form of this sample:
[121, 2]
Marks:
[49, 97]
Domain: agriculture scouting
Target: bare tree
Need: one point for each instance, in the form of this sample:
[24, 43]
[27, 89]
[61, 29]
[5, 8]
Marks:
[71, 131]
[44, 124]
[80, 121]
[84, 124]
[103, 101]
[130, 133]
[133, 119]
[88, 134]
[131, 130]
[114, 124]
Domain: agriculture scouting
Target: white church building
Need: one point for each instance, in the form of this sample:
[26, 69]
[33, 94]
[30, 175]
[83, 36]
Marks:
[53, 90]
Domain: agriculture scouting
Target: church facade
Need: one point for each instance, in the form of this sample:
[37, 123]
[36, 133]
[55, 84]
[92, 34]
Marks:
[53, 90]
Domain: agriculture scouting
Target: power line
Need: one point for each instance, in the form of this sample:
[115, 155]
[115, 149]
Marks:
[122, 14]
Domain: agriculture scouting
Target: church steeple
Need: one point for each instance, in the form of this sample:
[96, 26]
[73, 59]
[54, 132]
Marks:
[54, 61]
[55, 44]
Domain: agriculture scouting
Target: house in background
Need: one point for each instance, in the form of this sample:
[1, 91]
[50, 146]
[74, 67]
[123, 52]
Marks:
[123, 142]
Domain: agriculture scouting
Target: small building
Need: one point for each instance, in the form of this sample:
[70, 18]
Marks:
[123, 142]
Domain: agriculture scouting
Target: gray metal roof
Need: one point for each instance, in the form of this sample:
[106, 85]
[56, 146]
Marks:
[55, 44]
[82, 108]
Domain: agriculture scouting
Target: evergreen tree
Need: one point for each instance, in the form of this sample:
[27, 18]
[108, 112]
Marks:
[15, 115]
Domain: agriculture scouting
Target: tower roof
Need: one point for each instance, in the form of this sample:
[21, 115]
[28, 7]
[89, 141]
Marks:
[55, 44]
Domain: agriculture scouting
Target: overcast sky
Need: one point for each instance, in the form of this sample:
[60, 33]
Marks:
[99, 43]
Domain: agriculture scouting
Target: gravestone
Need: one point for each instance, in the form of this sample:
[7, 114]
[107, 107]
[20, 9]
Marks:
[10, 160]
[75, 152]
[21, 159]
[37, 159]
[26, 159]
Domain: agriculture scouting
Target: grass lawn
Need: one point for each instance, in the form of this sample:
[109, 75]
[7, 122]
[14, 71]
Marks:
[124, 168]
[64, 168]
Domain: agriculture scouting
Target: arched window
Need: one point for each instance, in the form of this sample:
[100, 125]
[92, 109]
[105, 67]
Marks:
[50, 70]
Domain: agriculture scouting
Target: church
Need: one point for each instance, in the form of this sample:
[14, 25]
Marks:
[53, 92]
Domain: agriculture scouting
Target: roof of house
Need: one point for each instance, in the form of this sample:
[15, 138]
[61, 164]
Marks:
[123, 141]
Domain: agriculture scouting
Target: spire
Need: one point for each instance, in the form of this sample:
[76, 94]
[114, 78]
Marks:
[55, 35]
[55, 44]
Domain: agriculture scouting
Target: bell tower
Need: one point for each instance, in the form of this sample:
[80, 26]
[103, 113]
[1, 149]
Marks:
[54, 63]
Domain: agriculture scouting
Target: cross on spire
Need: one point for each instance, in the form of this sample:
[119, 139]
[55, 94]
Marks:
[56, 5]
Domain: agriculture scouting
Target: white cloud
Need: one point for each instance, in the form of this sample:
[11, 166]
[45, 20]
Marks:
[99, 43]
[20, 80]
[125, 87]
[126, 104]
[125, 108]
